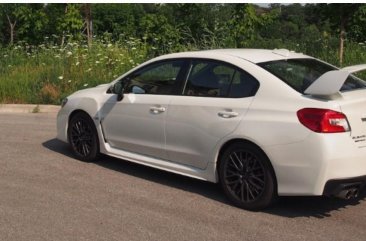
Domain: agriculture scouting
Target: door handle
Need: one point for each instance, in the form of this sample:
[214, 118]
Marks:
[228, 114]
[157, 110]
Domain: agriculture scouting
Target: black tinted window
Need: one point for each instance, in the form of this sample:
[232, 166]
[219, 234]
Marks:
[215, 79]
[160, 78]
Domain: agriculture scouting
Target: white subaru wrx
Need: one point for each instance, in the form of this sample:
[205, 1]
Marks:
[262, 123]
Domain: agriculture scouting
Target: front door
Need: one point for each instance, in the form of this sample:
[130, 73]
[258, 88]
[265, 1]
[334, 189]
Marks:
[136, 124]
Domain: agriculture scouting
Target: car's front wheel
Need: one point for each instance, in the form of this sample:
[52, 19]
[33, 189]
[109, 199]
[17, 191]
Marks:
[246, 176]
[83, 137]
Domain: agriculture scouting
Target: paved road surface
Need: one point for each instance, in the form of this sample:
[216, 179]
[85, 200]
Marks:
[46, 194]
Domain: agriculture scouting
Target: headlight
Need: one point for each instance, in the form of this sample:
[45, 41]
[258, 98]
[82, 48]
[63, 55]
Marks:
[63, 102]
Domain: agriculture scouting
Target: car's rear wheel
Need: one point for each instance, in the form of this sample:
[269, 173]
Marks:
[83, 137]
[246, 176]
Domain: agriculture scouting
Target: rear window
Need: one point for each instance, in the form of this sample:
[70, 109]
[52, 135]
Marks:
[301, 73]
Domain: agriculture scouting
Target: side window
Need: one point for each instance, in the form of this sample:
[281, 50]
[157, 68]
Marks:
[160, 79]
[209, 79]
[243, 85]
[216, 79]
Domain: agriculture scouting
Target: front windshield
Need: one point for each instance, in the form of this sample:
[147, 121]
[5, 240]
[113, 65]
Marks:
[301, 73]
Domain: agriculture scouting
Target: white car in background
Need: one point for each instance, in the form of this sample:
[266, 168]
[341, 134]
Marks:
[262, 123]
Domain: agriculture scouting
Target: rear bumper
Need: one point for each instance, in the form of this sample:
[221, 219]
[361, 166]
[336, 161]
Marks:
[319, 165]
[334, 187]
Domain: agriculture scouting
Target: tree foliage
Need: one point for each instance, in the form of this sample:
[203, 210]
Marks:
[169, 27]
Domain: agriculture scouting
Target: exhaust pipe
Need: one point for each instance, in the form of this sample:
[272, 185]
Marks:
[344, 194]
[348, 193]
[356, 192]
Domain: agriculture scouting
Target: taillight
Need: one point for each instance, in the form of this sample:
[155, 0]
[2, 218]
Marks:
[323, 120]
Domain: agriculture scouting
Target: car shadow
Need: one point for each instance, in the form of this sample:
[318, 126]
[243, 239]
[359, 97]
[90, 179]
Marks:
[291, 207]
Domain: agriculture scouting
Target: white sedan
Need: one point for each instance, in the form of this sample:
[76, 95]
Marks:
[262, 123]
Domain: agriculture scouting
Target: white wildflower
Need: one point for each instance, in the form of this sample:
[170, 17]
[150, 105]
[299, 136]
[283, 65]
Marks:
[85, 85]
[61, 77]
[88, 70]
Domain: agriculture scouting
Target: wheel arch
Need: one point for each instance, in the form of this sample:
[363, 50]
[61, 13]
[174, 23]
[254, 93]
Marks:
[75, 112]
[228, 143]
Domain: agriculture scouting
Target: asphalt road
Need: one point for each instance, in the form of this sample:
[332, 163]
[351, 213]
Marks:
[46, 194]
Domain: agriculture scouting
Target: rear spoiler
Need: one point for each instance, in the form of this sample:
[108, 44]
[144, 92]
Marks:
[331, 82]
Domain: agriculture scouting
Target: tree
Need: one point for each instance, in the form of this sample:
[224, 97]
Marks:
[117, 19]
[340, 15]
[10, 12]
[88, 22]
[71, 22]
[357, 29]
[32, 22]
[194, 21]
[158, 32]
[245, 23]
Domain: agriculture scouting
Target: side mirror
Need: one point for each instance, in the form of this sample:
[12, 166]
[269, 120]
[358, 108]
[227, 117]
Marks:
[118, 89]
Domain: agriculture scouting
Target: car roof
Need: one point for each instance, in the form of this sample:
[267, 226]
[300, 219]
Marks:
[251, 55]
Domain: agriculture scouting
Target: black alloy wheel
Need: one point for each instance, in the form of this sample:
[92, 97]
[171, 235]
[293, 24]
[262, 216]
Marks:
[246, 176]
[83, 137]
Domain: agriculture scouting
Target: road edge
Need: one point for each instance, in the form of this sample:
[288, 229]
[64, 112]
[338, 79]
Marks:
[28, 108]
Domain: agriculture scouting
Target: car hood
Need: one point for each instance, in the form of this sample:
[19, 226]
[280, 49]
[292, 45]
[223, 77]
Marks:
[94, 91]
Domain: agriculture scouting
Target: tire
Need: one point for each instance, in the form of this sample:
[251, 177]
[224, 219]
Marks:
[83, 137]
[246, 177]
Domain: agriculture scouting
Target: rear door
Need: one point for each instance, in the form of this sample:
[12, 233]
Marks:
[215, 98]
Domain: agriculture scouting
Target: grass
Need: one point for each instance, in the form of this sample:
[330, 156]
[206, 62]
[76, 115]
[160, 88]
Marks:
[46, 73]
